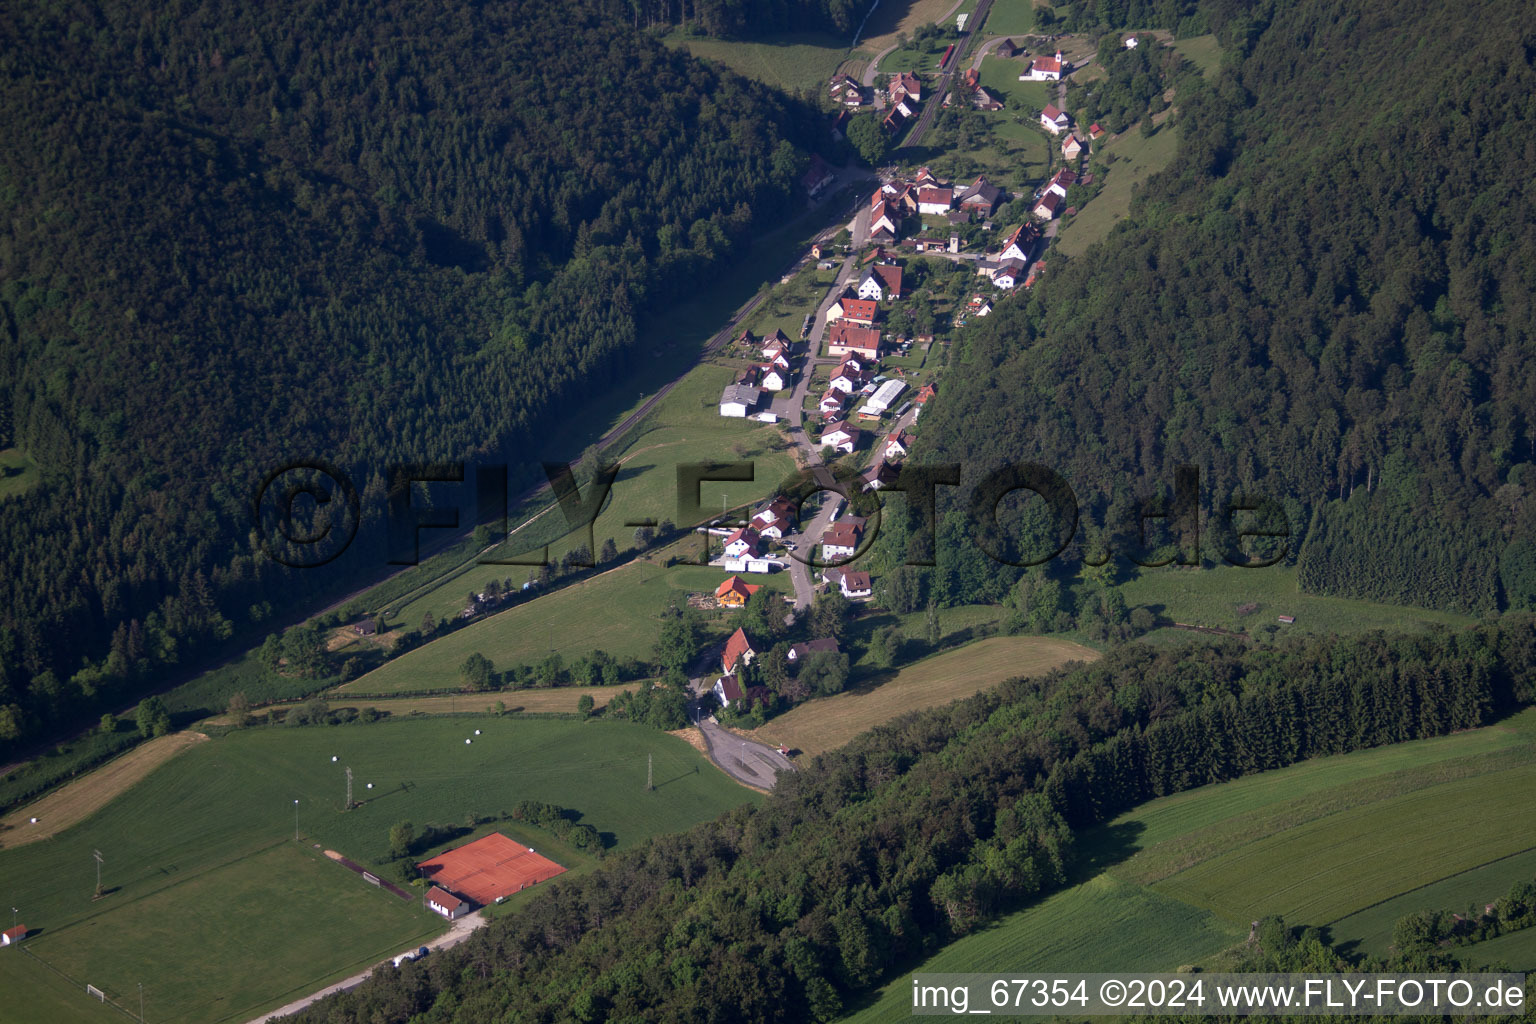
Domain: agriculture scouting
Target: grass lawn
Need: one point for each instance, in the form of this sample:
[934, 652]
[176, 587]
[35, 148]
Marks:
[829, 722]
[618, 611]
[555, 700]
[1100, 925]
[1137, 159]
[35, 993]
[1012, 153]
[1202, 51]
[1370, 930]
[18, 474]
[685, 428]
[786, 60]
[1211, 597]
[919, 58]
[202, 869]
[1010, 18]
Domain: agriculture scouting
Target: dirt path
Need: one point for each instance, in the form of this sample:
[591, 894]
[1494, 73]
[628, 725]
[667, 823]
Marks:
[78, 800]
[461, 930]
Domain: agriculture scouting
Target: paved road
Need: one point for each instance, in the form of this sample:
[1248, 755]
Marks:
[747, 761]
[457, 933]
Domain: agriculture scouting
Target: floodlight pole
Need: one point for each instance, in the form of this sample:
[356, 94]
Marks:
[295, 821]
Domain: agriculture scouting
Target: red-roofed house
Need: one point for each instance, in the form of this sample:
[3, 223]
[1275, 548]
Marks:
[842, 538]
[441, 901]
[733, 593]
[832, 402]
[890, 276]
[880, 282]
[935, 200]
[1061, 181]
[1094, 131]
[883, 217]
[846, 339]
[1021, 243]
[742, 543]
[1053, 120]
[817, 177]
[1071, 148]
[737, 648]
[858, 311]
[897, 444]
[906, 85]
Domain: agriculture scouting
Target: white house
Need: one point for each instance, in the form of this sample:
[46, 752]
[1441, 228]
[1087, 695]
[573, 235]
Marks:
[846, 382]
[870, 286]
[1071, 147]
[739, 400]
[727, 690]
[775, 379]
[832, 402]
[935, 200]
[737, 649]
[1130, 42]
[1061, 181]
[840, 437]
[742, 543]
[883, 216]
[1021, 243]
[842, 538]
[1053, 120]
[1047, 208]
[896, 444]
[856, 585]
[441, 901]
[1009, 274]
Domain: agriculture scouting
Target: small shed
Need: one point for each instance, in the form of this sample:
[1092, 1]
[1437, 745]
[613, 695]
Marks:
[11, 936]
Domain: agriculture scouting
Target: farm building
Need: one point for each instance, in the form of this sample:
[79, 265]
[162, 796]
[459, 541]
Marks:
[885, 396]
[11, 936]
[738, 400]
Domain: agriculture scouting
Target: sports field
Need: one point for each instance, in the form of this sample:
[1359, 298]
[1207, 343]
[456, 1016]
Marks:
[829, 722]
[213, 906]
[1178, 879]
[490, 867]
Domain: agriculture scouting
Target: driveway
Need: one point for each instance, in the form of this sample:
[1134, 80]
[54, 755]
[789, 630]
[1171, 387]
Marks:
[747, 761]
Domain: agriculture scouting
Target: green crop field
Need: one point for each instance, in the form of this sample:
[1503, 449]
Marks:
[786, 60]
[1212, 597]
[1517, 951]
[1370, 930]
[1137, 160]
[618, 611]
[1299, 833]
[212, 830]
[1100, 925]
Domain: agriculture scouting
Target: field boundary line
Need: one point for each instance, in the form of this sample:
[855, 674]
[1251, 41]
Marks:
[1426, 885]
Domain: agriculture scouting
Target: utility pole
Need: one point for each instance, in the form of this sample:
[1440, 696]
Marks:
[649, 764]
[97, 855]
[141, 1002]
[295, 821]
[349, 789]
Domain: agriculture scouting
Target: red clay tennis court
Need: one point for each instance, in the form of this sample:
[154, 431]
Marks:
[487, 868]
